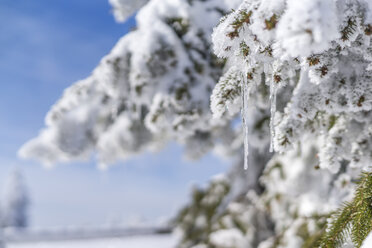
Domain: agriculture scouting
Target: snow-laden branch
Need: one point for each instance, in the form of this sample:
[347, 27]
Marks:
[316, 55]
[153, 87]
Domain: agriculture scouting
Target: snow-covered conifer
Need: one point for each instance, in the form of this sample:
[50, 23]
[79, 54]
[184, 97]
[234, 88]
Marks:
[310, 62]
[299, 71]
[15, 202]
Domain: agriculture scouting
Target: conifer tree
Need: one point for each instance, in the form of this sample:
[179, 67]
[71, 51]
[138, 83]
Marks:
[298, 72]
[15, 202]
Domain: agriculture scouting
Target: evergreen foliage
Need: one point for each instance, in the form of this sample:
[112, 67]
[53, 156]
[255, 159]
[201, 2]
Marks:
[353, 219]
[197, 219]
[301, 73]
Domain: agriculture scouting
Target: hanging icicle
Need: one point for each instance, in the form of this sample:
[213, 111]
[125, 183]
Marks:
[273, 91]
[244, 113]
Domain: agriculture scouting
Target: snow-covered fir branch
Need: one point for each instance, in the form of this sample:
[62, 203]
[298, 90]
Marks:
[300, 69]
[153, 87]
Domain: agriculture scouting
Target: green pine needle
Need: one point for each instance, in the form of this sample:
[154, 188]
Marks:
[353, 219]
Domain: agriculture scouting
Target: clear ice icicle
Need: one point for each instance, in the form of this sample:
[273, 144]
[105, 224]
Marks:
[273, 91]
[244, 113]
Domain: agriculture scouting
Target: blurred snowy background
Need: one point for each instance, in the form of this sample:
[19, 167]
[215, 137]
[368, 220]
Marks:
[46, 46]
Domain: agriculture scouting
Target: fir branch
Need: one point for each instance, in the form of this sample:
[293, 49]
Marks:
[271, 23]
[348, 30]
[240, 20]
[362, 222]
[354, 219]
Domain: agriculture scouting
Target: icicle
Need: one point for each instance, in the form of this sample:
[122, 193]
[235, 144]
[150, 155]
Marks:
[273, 91]
[244, 113]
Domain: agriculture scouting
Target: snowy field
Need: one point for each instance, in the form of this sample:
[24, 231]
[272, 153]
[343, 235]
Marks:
[148, 241]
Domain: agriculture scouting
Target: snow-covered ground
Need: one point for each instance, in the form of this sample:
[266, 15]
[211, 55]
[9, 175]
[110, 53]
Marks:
[147, 241]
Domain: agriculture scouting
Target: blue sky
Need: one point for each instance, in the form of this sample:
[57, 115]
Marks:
[45, 46]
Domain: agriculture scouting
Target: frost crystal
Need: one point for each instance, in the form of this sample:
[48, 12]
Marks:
[315, 56]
